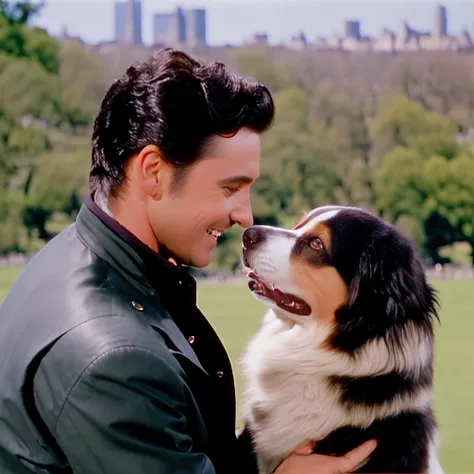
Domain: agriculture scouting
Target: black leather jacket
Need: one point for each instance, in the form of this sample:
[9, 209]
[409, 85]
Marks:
[99, 367]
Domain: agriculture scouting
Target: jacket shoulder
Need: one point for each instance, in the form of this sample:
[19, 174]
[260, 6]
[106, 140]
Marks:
[117, 341]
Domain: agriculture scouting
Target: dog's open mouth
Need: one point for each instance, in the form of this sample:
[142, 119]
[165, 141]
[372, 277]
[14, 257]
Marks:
[291, 303]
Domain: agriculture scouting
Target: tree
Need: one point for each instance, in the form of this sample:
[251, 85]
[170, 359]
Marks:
[19, 40]
[26, 89]
[404, 122]
[20, 12]
[401, 187]
[84, 81]
[58, 185]
[260, 64]
[11, 230]
[450, 194]
[437, 191]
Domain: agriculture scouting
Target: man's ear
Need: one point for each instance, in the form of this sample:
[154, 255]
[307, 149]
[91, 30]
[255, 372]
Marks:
[152, 172]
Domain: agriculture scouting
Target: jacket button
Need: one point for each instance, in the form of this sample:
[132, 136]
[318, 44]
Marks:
[137, 306]
[220, 374]
[191, 339]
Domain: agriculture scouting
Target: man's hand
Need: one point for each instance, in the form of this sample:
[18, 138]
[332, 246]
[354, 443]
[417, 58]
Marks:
[300, 462]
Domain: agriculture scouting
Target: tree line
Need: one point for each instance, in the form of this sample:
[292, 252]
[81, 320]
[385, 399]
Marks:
[386, 133]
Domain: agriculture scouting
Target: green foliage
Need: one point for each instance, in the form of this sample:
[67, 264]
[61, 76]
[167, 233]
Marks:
[28, 141]
[427, 176]
[19, 40]
[406, 122]
[44, 91]
[83, 81]
[400, 185]
[26, 89]
[19, 12]
[43, 49]
[11, 230]
[259, 63]
[58, 185]
[391, 148]
[58, 181]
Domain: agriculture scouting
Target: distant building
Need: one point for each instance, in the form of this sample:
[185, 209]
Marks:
[170, 28]
[177, 31]
[465, 42]
[405, 39]
[385, 42]
[352, 29]
[441, 22]
[128, 21]
[196, 27]
[298, 41]
[120, 13]
[161, 27]
[181, 27]
[64, 36]
[260, 39]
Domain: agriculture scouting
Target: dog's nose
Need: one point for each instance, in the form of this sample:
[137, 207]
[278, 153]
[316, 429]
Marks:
[253, 235]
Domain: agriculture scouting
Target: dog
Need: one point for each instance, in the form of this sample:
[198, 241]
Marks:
[345, 352]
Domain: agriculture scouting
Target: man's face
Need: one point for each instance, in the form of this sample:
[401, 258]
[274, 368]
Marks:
[214, 195]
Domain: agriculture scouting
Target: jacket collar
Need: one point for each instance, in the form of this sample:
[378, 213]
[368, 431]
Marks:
[124, 251]
[145, 269]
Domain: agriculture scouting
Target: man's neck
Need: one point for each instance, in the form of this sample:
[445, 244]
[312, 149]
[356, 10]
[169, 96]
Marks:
[124, 220]
[101, 202]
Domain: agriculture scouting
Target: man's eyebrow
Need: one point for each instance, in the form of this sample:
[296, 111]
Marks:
[239, 179]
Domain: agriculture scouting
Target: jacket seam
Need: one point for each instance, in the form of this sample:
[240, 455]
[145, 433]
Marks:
[89, 366]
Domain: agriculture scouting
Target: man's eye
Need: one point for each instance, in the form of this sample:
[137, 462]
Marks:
[230, 190]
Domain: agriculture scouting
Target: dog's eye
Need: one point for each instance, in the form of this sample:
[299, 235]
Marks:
[316, 244]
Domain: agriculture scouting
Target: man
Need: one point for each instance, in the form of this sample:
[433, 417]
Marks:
[108, 365]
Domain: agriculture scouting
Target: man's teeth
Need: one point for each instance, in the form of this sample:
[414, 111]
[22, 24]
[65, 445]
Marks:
[215, 233]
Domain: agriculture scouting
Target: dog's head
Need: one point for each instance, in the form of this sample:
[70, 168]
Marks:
[341, 267]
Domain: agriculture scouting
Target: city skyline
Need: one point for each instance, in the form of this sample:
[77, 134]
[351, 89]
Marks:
[228, 22]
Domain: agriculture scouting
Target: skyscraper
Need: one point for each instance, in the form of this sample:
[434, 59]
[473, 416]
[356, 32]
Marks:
[441, 22]
[196, 27]
[177, 29]
[180, 27]
[161, 27]
[128, 21]
[120, 13]
[352, 29]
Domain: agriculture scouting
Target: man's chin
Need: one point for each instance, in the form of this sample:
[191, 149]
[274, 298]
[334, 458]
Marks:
[193, 259]
[201, 261]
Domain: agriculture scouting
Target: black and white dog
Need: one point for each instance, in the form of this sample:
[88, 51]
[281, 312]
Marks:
[345, 353]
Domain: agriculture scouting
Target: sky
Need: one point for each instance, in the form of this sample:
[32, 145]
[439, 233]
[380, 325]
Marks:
[234, 21]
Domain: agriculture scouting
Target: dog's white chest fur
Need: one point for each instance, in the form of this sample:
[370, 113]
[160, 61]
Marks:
[279, 393]
[288, 398]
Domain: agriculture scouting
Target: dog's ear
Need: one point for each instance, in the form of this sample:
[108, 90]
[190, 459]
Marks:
[388, 290]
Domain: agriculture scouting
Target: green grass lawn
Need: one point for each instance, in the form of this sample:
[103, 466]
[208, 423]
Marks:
[236, 315]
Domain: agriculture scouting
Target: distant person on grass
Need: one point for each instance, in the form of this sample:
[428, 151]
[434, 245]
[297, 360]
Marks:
[107, 364]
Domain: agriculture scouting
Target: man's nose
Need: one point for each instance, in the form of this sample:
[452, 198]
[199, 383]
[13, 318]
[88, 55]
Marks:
[254, 235]
[243, 215]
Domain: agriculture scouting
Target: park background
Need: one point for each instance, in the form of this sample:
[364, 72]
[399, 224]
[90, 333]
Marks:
[390, 132]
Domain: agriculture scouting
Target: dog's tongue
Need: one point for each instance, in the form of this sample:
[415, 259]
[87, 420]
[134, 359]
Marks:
[291, 303]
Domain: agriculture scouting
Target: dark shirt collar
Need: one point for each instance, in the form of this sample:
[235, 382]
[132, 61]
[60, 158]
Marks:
[161, 272]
